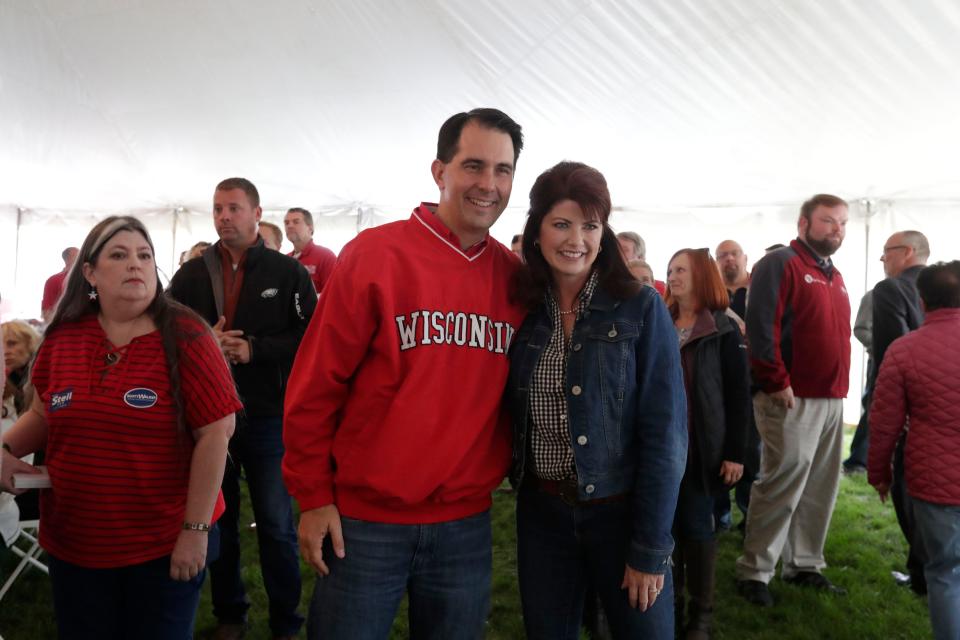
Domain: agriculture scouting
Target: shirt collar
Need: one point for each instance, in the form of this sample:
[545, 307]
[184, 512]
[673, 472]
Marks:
[427, 213]
[825, 264]
[307, 249]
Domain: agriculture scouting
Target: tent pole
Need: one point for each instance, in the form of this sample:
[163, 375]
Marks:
[174, 260]
[16, 248]
[869, 206]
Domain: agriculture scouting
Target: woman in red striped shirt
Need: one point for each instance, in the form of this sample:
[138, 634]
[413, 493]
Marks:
[135, 406]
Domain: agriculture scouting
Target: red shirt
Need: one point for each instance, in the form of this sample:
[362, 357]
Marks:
[52, 290]
[232, 284]
[118, 464]
[393, 409]
[319, 262]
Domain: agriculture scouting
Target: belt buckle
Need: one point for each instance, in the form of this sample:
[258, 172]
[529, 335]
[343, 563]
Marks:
[568, 492]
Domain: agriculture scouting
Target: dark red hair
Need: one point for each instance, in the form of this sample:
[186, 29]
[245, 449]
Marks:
[708, 289]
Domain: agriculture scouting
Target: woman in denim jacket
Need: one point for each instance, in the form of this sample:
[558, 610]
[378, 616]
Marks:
[715, 375]
[599, 419]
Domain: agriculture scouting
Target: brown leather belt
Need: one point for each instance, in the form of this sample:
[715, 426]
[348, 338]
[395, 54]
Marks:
[566, 490]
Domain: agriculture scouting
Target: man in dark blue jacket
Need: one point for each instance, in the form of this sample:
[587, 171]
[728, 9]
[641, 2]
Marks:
[896, 312]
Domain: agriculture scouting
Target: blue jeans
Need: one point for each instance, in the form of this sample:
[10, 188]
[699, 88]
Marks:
[939, 529]
[257, 448]
[562, 548]
[446, 568]
[139, 601]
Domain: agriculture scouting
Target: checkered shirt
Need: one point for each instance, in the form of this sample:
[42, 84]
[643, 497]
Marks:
[550, 432]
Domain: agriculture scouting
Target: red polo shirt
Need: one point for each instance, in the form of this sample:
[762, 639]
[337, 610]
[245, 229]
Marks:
[119, 465]
[319, 262]
[52, 290]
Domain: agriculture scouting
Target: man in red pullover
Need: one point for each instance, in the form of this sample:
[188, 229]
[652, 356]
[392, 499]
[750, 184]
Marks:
[798, 326]
[394, 432]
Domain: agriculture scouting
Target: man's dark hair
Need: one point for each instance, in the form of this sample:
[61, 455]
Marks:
[241, 183]
[307, 216]
[821, 200]
[939, 285]
[448, 141]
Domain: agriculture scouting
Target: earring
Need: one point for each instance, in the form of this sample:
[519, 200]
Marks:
[93, 293]
[536, 243]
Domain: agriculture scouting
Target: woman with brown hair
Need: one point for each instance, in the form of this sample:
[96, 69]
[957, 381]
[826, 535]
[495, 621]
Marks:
[599, 438]
[715, 376]
[134, 404]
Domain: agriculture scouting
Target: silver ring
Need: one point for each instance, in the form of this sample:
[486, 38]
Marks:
[655, 592]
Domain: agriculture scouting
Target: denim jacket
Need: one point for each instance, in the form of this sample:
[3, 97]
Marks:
[626, 410]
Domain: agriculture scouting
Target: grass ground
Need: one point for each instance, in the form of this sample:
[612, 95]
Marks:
[863, 547]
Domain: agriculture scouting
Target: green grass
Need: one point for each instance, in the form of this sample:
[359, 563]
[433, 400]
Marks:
[863, 547]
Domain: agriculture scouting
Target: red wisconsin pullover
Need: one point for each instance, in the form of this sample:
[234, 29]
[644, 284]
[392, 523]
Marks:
[393, 409]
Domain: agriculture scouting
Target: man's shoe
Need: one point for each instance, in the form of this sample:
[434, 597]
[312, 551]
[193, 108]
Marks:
[902, 579]
[853, 469]
[755, 592]
[226, 631]
[815, 580]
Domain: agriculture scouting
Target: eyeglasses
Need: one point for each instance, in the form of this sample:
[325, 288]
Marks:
[887, 250]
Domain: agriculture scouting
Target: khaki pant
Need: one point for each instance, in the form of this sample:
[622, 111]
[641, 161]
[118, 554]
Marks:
[792, 500]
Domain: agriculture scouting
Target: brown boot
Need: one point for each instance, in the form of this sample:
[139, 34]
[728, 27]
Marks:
[701, 557]
[678, 591]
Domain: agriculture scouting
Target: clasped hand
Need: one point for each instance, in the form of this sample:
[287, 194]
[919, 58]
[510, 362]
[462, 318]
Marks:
[234, 346]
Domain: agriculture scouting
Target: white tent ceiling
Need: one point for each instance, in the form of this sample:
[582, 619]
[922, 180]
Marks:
[109, 104]
[710, 118]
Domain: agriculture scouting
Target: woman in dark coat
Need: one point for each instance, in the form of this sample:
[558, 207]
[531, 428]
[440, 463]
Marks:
[714, 360]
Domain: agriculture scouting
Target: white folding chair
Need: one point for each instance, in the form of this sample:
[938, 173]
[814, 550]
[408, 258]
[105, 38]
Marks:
[27, 547]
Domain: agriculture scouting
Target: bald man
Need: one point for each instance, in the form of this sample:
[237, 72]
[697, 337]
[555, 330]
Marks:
[896, 312]
[733, 267]
[732, 262]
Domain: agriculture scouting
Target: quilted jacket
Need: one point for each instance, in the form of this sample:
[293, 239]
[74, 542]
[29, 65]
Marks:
[919, 382]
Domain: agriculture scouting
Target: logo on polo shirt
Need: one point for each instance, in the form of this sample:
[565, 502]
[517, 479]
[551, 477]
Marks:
[268, 293]
[809, 279]
[60, 399]
[140, 398]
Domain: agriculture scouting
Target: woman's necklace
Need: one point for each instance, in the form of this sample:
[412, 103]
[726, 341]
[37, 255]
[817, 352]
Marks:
[573, 307]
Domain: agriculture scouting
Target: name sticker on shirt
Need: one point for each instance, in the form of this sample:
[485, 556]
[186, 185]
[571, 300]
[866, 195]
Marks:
[140, 398]
[60, 399]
